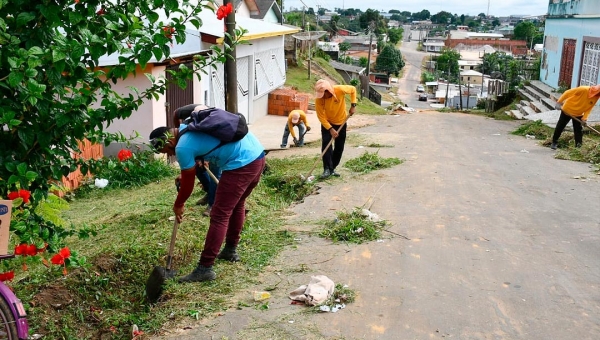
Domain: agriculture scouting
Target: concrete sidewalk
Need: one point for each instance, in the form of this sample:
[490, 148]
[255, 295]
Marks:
[269, 130]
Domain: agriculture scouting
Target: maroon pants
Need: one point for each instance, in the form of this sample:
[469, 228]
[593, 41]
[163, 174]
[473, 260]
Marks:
[228, 213]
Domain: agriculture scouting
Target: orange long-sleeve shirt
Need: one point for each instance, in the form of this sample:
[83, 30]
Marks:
[301, 120]
[576, 102]
[333, 110]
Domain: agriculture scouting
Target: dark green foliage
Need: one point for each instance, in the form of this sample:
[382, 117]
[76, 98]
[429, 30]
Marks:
[370, 161]
[390, 60]
[353, 227]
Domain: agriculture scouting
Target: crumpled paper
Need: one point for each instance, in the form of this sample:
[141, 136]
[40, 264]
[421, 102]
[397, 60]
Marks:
[318, 290]
[100, 182]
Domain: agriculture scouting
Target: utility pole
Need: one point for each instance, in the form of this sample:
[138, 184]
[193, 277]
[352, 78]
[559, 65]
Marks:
[482, 72]
[447, 87]
[367, 86]
[231, 101]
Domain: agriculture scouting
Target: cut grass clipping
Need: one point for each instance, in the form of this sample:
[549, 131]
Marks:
[370, 161]
[358, 226]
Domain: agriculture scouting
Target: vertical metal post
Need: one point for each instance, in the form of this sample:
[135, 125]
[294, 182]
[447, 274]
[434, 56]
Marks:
[231, 102]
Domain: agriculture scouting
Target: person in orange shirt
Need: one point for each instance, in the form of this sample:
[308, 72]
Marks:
[575, 103]
[295, 118]
[330, 104]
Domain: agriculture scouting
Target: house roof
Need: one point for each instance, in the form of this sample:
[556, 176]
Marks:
[263, 8]
[257, 29]
[345, 67]
[470, 73]
[314, 35]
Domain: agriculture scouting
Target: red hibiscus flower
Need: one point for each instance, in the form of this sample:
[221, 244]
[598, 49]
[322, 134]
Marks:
[224, 11]
[61, 256]
[24, 194]
[8, 276]
[57, 259]
[21, 249]
[101, 11]
[31, 250]
[124, 155]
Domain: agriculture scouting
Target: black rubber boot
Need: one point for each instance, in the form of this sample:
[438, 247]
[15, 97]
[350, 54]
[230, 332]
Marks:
[199, 274]
[229, 254]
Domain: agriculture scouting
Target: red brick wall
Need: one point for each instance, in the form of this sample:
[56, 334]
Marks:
[282, 101]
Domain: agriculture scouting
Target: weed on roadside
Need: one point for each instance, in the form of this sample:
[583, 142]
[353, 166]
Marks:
[353, 227]
[536, 128]
[370, 161]
[589, 152]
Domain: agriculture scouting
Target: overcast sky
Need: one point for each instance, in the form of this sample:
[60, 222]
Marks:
[471, 7]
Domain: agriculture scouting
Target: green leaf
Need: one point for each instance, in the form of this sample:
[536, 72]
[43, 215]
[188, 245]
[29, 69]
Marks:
[77, 50]
[144, 58]
[158, 53]
[10, 166]
[13, 179]
[30, 175]
[153, 17]
[15, 78]
[13, 123]
[35, 50]
[58, 55]
[22, 169]
[31, 72]
[24, 18]
[13, 62]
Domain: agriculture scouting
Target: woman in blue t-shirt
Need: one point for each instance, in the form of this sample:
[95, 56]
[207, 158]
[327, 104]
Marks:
[241, 162]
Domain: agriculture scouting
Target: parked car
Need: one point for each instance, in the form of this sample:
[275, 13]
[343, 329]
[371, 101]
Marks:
[420, 88]
[423, 97]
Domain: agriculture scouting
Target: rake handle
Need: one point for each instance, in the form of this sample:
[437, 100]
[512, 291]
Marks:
[586, 125]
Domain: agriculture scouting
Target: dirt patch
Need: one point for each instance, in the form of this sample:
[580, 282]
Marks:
[53, 296]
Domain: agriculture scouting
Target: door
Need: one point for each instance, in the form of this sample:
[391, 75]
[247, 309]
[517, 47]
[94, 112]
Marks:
[590, 63]
[176, 96]
[566, 63]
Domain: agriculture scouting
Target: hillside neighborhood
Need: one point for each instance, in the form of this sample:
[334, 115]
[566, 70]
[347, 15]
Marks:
[393, 175]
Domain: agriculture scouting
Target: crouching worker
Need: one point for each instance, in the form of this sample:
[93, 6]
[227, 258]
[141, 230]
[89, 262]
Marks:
[241, 162]
[295, 118]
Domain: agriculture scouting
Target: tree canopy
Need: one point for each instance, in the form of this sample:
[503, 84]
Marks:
[389, 60]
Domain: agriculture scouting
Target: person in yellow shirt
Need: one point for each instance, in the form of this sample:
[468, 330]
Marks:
[575, 103]
[330, 104]
[295, 118]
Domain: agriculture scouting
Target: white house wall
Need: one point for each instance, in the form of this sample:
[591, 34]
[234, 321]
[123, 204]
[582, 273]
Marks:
[555, 32]
[150, 114]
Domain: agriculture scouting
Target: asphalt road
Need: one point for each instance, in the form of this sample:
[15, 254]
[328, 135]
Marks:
[411, 74]
[490, 237]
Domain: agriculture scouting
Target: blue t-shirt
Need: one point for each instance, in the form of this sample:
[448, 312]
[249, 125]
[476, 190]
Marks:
[229, 156]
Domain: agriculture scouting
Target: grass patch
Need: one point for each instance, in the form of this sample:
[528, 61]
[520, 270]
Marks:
[589, 152]
[357, 226]
[104, 296]
[538, 129]
[370, 161]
